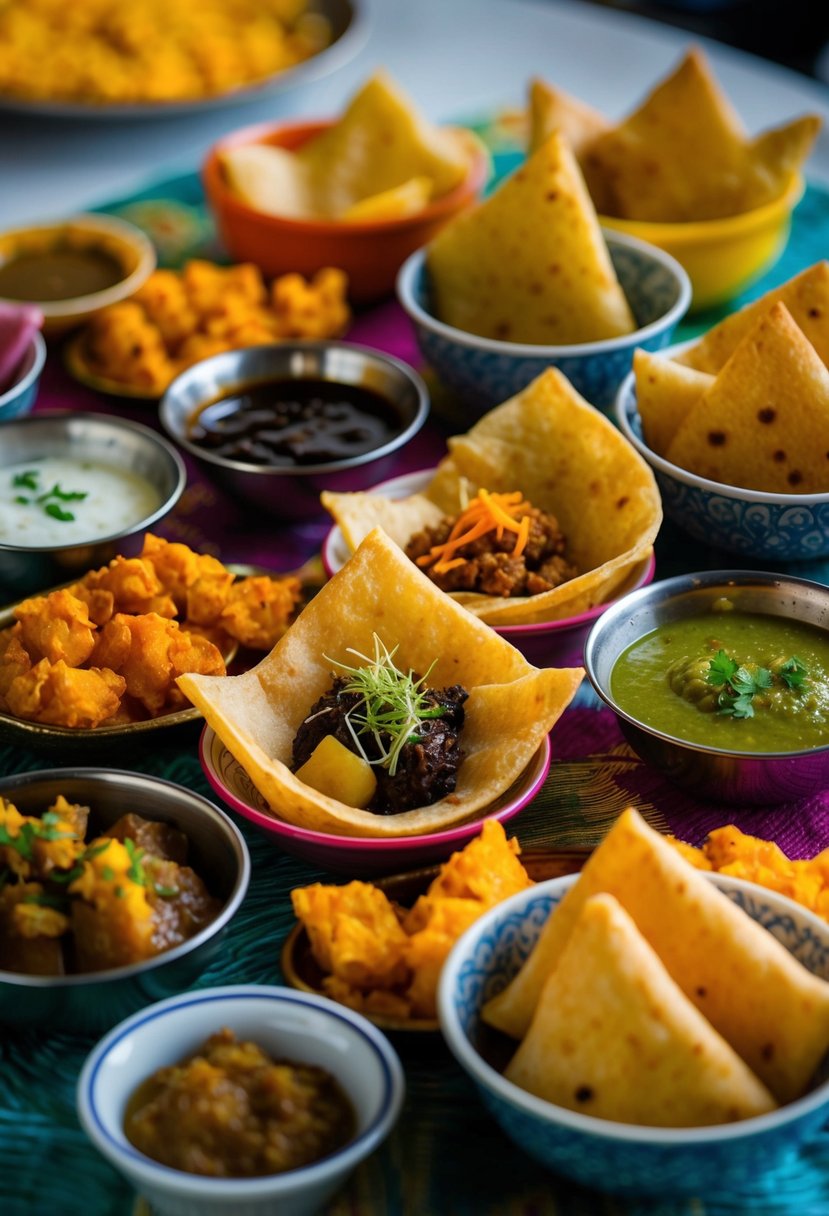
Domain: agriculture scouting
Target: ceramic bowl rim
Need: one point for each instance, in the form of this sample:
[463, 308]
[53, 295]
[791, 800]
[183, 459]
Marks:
[539, 763]
[677, 587]
[116, 423]
[125, 233]
[647, 565]
[35, 356]
[131, 970]
[627, 406]
[371, 355]
[414, 269]
[472, 182]
[387, 1102]
[589, 1125]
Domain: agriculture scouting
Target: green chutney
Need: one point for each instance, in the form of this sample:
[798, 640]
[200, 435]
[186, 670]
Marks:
[666, 680]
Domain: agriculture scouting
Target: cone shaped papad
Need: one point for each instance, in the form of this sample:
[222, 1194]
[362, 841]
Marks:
[511, 706]
[764, 422]
[565, 458]
[530, 264]
[806, 296]
[614, 1037]
[666, 391]
[764, 1003]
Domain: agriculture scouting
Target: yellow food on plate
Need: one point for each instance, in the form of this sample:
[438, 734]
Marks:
[102, 52]
[529, 264]
[380, 958]
[563, 458]
[380, 603]
[179, 317]
[682, 155]
[730, 851]
[610, 1013]
[107, 649]
[380, 160]
[666, 390]
[756, 995]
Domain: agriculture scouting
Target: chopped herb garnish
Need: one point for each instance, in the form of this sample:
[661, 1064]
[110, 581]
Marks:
[27, 480]
[57, 512]
[793, 672]
[136, 871]
[165, 892]
[392, 707]
[45, 900]
[107, 873]
[64, 495]
[50, 500]
[24, 502]
[739, 685]
[119, 892]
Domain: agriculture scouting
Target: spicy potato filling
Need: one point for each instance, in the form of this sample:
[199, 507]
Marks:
[500, 545]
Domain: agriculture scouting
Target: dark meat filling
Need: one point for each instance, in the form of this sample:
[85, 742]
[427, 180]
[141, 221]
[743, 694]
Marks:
[426, 767]
[489, 566]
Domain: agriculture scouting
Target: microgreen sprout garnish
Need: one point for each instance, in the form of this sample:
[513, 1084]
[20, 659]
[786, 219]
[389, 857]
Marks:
[392, 707]
[739, 684]
[49, 500]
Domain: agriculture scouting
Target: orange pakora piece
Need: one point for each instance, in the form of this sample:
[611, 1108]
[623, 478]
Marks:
[58, 695]
[259, 610]
[56, 626]
[159, 651]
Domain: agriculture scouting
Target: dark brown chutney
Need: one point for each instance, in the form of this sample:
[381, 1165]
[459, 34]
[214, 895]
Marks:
[58, 274]
[427, 765]
[294, 422]
[231, 1111]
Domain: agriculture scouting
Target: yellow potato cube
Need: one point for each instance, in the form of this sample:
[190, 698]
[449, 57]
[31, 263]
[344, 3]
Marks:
[334, 770]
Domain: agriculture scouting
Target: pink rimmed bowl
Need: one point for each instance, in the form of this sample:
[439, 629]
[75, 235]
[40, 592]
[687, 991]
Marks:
[359, 855]
[544, 643]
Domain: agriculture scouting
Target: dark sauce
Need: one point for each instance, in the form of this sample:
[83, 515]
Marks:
[58, 274]
[295, 422]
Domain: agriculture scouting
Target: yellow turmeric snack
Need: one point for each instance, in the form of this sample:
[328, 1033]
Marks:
[180, 317]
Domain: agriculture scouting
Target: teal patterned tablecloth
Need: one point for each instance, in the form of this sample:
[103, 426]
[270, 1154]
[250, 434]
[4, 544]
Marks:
[446, 1157]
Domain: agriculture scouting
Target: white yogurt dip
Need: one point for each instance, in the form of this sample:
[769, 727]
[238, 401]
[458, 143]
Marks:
[57, 501]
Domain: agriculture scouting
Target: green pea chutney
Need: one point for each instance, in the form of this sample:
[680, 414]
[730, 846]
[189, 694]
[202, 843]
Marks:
[776, 701]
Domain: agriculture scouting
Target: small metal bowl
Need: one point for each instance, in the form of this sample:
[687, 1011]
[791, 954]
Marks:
[112, 441]
[293, 492]
[709, 772]
[95, 1001]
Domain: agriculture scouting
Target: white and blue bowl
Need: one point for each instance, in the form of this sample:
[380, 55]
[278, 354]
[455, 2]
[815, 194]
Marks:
[753, 523]
[295, 1026]
[19, 398]
[617, 1157]
[483, 372]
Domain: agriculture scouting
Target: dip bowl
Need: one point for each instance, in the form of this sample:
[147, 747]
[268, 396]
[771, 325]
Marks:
[94, 1001]
[708, 772]
[114, 242]
[294, 1026]
[620, 1157]
[79, 437]
[483, 372]
[292, 491]
[752, 523]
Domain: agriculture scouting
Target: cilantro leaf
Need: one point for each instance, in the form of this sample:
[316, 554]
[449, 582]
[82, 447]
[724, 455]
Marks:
[57, 512]
[793, 673]
[27, 480]
[720, 669]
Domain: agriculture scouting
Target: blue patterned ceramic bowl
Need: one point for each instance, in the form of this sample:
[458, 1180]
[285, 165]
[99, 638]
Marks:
[20, 397]
[619, 1157]
[753, 523]
[484, 372]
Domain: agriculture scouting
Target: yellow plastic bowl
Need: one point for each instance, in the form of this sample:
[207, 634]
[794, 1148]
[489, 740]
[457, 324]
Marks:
[722, 256]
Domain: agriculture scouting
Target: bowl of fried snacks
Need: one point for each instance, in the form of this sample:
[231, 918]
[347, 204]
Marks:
[92, 665]
[379, 947]
[527, 279]
[360, 192]
[644, 1028]
[736, 424]
[137, 348]
[387, 711]
[118, 890]
[681, 172]
[73, 268]
[540, 513]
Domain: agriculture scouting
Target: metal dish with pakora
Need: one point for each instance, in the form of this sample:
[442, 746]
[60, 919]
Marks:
[381, 604]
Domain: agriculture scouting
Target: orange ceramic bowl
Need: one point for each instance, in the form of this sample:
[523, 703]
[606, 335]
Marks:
[370, 252]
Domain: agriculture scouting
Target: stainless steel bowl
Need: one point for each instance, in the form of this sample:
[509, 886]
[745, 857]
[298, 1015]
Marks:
[218, 854]
[294, 492]
[113, 441]
[708, 772]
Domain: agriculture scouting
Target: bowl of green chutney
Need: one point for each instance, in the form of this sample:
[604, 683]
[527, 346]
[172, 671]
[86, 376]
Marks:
[720, 680]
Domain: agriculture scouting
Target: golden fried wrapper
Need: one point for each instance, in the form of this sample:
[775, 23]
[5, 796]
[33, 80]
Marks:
[666, 391]
[511, 706]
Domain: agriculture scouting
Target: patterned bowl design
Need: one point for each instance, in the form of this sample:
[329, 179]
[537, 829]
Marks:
[616, 1157]
[753, 523]
[484, 372]
[20, 397]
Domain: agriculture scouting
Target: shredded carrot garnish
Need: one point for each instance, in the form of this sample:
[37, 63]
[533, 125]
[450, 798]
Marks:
[488, 512]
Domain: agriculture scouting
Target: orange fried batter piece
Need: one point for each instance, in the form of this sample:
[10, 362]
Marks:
[259, 610]
[133, 585]
[56, 627]
[14, 661]
[58, 695]
[150, 651]
[198, 583]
